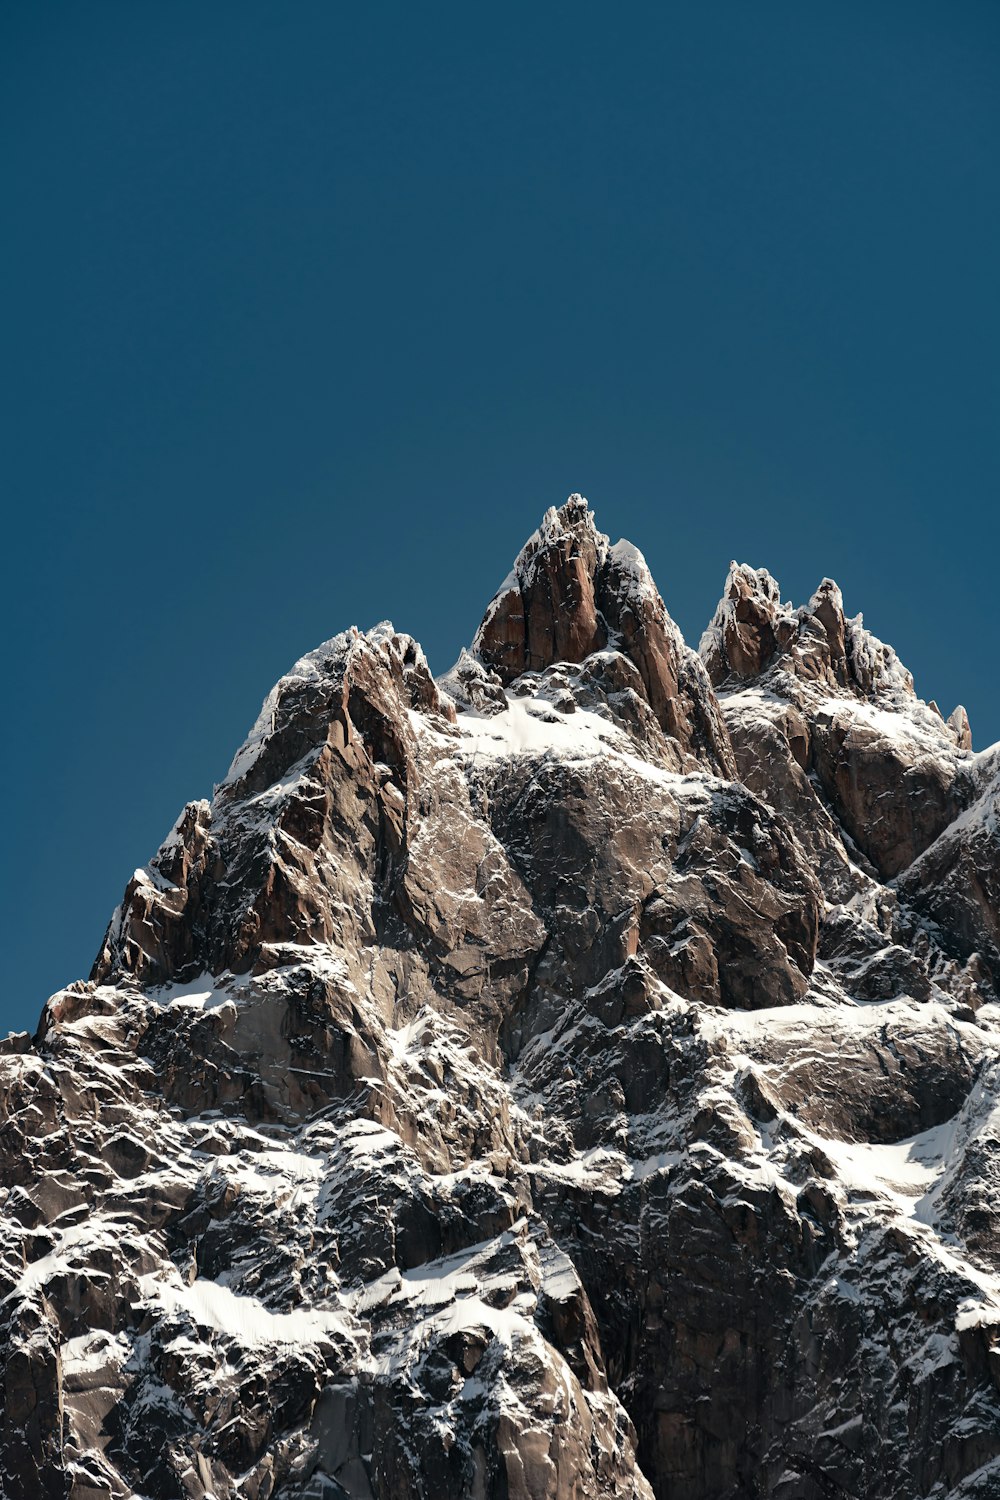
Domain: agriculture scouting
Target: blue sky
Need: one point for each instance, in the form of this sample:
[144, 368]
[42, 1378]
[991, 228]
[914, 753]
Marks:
[311, 310]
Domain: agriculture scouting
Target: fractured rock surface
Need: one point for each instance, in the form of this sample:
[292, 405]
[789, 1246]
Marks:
[578, 1076]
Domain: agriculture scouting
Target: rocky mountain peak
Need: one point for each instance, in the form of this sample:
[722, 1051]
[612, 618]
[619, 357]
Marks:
[241, 878]
[752, 631]
[750, 625]
[546, 608]
[841, 714]
[564, 1080]
[570, 594]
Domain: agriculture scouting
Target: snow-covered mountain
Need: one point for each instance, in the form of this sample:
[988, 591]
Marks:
[575, 1077]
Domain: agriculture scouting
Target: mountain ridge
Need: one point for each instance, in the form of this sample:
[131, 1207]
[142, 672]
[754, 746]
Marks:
[575, 1075]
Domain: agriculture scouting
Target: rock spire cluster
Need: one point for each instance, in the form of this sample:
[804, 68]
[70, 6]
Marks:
[576, 1076]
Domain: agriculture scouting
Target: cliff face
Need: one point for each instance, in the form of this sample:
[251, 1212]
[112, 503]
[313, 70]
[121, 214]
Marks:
[579, 1076]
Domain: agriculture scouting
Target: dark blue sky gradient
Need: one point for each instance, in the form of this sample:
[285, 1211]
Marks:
[309, 311]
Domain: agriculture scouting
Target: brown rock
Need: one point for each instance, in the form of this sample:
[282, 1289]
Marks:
[569, 595]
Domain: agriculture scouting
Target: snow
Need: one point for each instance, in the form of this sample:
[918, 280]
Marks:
[975, 1314]
[314, 667]
[337, 1182]
[202, 993]
[885, 703]
[749, 1025]
[905, 1169]
[454, 1293]
[217, 1307]
[630, 561]
[510, 585]
[150, 875]
[93, 1351]
[908, 1173]
[173, 838]
[552, 529]
[75, 1242]
[911, 726]
[559, 1276]
[598, 1167]
[284, 1176]
[909, 1178]
[532, 726]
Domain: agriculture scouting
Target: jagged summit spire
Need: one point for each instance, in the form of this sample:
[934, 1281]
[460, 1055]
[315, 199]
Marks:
[753, 630]
[749, 627]
[958, 720]
[545, 610]
[840, 708]
[571, 593]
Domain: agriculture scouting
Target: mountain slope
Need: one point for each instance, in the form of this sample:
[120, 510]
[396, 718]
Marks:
[579, 1076]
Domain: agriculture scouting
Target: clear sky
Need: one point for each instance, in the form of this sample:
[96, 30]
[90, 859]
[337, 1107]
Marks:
[310, 310]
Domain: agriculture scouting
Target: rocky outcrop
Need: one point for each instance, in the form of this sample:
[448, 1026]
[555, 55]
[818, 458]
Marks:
[576, 1077]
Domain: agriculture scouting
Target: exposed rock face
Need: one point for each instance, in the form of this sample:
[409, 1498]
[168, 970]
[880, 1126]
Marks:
[956, 881]
[566, 1079]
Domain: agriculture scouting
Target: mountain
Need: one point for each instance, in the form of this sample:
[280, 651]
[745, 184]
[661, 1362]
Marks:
[578, 1076]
